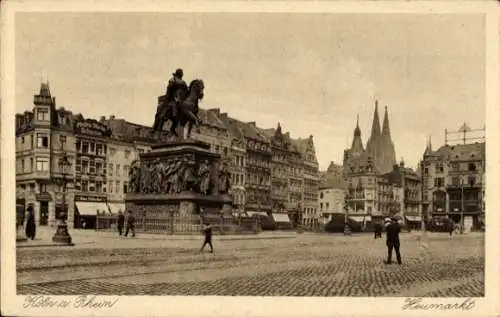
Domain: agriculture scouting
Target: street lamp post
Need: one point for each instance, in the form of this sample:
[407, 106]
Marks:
[462, 207]
[62, 235]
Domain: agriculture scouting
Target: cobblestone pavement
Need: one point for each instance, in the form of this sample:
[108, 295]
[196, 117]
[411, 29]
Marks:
[308, 265]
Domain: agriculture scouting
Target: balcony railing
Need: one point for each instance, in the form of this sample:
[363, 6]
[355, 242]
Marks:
[465, 186]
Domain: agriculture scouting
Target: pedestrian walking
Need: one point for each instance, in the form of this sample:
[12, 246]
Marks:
[120, 222]
[451, 227]
[207, 231]
[347, 230]
[130, 224]
[392, 232]
[30, 224]
[377, 228]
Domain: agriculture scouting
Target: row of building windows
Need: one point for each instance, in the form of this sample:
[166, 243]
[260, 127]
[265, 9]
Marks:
[116, 169]
[238, 179]
[90, 166]
[239, 161]
[42, 165]
[454, 167]
[113, 151]
[471, 180]
[88, 147]
[98, 186]
[42, 142]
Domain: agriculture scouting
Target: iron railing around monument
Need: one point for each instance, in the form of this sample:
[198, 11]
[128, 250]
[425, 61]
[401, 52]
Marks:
[186, 224]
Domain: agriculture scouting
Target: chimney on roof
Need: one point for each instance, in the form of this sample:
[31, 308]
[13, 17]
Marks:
[224, 115]
[216, 110]
[252, 123]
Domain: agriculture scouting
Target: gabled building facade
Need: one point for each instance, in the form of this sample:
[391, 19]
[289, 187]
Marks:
[310, 168]
[454, 182]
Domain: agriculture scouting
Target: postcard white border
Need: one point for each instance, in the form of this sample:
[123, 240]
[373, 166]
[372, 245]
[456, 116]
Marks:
[248, 306]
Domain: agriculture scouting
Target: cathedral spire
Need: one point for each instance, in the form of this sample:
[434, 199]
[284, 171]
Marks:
[357, 142]
[278, 129]
[357, 130]
[386, 131]
[376, 122]
[428, 148]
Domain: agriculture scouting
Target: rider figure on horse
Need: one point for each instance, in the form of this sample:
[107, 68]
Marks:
[176, 90]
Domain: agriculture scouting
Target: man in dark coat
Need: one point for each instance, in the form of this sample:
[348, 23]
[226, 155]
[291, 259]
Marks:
[121, 222]
[30, 224]
[130, 224]
[392, 232]
[207, 231]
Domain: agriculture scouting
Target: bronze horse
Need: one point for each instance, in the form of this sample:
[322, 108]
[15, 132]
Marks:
[187, 112]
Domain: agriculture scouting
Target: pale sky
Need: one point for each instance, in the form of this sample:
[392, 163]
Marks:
[311, 72]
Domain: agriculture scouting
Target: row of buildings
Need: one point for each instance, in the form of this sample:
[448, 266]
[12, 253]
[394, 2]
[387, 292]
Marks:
[449, 182]
[272, 173]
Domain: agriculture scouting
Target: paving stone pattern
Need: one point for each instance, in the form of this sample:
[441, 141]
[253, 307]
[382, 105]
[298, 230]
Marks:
[306, 266]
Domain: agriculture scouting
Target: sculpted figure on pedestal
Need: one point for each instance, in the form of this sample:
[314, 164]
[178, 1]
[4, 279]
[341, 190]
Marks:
[224, 178]
[134, 175]
[174, 178]
[155, 171]
[205, 178]
[188, 177]
[145, 183]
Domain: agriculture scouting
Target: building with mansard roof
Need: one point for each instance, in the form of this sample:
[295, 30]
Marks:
[454, 180]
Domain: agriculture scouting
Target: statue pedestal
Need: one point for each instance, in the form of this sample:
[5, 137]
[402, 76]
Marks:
[62, 235]
[170, 194]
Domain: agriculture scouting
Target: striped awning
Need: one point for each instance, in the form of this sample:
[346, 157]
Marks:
[281, 218]
[413, 218]
[357, 218]
[114, 207]
[366, 218]
[258, 213]
[88, 208]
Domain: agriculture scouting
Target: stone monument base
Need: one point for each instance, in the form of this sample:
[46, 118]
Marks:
[163, 207]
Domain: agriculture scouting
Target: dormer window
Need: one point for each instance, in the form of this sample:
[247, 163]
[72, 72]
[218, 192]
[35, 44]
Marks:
[42, 115]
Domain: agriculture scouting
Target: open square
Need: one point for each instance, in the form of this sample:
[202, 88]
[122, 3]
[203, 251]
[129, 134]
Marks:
[276, 264]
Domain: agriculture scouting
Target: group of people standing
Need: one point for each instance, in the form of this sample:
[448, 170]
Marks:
[130, 223]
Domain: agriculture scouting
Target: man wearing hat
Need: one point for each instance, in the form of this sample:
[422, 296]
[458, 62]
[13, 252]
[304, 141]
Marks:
[392, 228]
[176, 90]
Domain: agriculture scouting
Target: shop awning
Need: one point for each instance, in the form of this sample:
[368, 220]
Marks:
[413, 218]
[357, 218]
[88, 208]
[261, 213]
[116, 207]
[281, 218]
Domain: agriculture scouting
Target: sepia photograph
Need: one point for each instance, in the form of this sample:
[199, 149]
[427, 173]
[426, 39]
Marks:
[261, 154]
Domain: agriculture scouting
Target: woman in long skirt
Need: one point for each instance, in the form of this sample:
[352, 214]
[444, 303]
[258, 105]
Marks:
[30, 224]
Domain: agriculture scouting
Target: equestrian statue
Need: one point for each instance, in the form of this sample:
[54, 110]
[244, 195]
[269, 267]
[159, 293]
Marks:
[180, 105]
